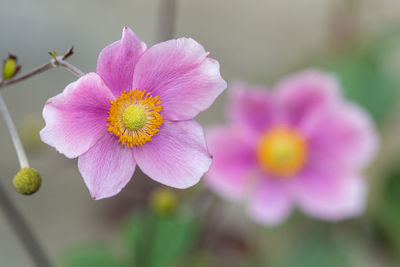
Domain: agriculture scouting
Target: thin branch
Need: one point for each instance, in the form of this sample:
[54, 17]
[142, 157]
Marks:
[26, 75]
[70, 67]
[23, 230]
[54, 62]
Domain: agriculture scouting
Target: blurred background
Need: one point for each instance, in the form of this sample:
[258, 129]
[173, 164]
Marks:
[257, 41]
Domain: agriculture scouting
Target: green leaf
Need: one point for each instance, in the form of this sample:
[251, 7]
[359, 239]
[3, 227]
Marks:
[388, 216]
[174, 236]
[314, 249]
[88, 256]
[137, 236]
[154, 240]
[199, 259]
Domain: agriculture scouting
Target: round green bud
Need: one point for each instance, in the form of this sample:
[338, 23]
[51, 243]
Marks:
[27, 181]
[163, 201]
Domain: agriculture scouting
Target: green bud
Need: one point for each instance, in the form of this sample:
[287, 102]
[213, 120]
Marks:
[163, 201]
[27, 181]
[10, 67]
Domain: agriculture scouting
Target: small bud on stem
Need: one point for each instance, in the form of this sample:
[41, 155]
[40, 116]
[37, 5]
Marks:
[27, 181]
[10, 67]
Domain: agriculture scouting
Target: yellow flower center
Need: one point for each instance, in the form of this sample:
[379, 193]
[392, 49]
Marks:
[134, 117]
[282, 151]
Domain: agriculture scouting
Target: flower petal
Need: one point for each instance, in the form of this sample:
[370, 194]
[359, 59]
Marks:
[253, 107]
[182, 75]
[270, 204]
[234, 166]
[177, 156]
[76, 118]
[106, 167]
[304, 92]
[344, 135]
[117, 61]
[331, 195]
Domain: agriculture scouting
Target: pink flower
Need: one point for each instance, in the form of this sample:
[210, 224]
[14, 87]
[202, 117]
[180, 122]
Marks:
[301, 145]
[137, 109]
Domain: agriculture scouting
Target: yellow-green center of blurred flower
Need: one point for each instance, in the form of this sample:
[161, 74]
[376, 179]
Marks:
[134, 117]
[282, 151]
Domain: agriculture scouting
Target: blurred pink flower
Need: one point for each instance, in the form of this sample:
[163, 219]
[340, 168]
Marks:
[137, 109]
[301, 145]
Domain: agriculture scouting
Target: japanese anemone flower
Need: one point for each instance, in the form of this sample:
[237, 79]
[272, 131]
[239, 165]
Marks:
[137, 109]
[301, 145]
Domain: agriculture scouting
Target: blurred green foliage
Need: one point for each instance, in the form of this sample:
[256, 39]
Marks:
[364, 82]
[155, 241]
[315, 249]
[388, 215]
[88, 256]
[149, 240]
[365, 73]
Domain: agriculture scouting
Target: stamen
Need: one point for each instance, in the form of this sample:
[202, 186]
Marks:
[134, 117]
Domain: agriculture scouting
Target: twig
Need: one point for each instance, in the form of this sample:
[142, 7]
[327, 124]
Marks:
[23, 230]
[54, 62]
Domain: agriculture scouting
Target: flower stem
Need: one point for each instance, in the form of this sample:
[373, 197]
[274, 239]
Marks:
[23, 160]
[17, 222]
[23, 230]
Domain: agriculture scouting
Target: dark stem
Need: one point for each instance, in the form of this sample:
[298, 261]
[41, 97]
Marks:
[166, 20]
[23, 230]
